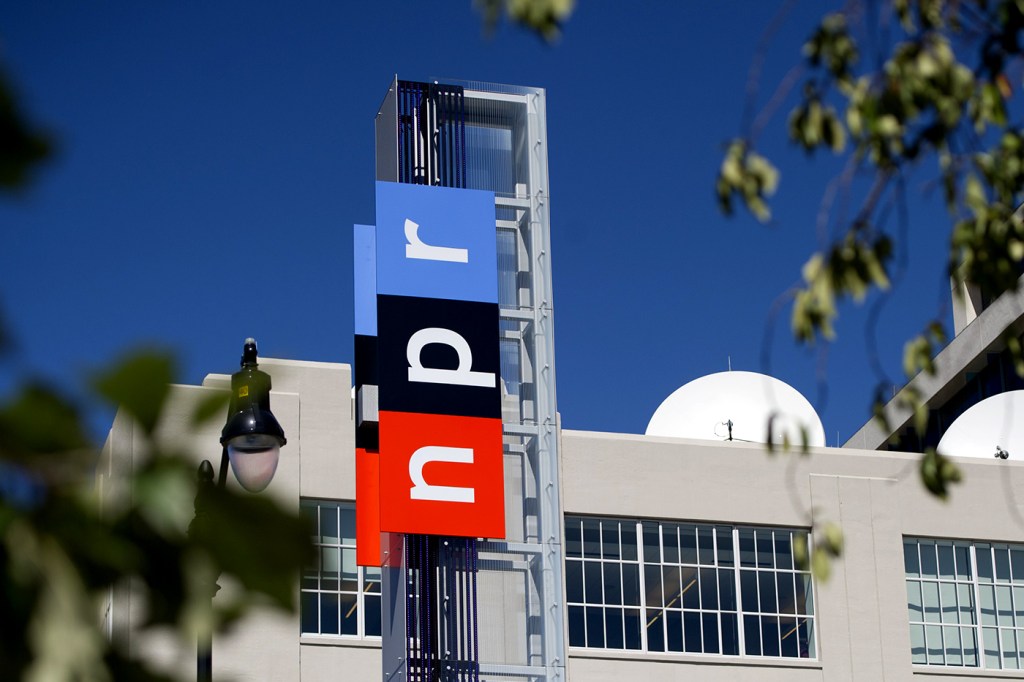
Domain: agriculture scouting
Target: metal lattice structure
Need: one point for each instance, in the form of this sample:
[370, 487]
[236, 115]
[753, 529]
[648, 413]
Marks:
[488, 609]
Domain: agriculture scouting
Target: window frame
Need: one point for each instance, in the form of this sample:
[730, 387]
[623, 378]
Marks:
[321, 587]
[714, 569]
[982, 581]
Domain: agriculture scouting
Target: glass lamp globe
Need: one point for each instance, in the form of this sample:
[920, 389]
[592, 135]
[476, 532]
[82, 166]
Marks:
[254, 458]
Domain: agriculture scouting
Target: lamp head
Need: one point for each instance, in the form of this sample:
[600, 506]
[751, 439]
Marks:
[252, 435]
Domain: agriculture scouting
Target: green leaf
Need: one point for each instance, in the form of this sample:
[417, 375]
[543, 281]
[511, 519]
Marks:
[139, 384]
[211, 405]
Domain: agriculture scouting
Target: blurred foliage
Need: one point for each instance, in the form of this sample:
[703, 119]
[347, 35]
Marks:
[21, 146]
[64, 546]
[544, 17]
[898, 87]
[894, 87]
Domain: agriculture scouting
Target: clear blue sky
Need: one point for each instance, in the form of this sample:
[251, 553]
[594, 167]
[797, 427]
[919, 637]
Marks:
[213, 156]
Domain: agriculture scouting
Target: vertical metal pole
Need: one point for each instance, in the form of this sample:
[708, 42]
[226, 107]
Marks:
[199, 525]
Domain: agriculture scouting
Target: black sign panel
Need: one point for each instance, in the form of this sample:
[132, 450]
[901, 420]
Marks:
[438, 356]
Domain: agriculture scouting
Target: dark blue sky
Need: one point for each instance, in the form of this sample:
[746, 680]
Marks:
[213, 156]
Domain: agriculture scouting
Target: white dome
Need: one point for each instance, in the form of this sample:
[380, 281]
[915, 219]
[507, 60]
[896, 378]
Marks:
[994, 422]
[701, 409]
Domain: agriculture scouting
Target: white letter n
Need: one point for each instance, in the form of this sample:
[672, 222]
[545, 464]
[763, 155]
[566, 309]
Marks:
[421, 490]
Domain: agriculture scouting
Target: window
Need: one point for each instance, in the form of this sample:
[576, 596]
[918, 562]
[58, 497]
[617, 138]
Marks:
[683, 587]
[338, 597]
[966, 603]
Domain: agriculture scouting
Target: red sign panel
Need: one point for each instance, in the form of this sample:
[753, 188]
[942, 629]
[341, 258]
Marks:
[445, 475]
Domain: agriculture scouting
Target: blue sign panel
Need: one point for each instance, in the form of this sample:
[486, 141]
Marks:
[365, 279]
[436, 242]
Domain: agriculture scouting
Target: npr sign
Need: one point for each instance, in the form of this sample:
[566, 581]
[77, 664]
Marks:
[438, 373]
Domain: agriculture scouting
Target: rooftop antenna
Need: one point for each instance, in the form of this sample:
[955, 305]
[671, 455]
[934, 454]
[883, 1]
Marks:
[728, 424]
[730, 365]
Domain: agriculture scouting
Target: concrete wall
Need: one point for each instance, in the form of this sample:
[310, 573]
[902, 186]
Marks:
[876, 498]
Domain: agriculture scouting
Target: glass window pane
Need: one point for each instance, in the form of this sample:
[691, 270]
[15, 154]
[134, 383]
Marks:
[708, 588]
[573, 537]
[723, 538]
[610, 539]
[914, 601]
[709, 623]
[766, 592]
[574, 581]
[929, 564]
[328, 524]
[612, 584]
[917, 650]
[946, 571]
[804, 595]
[577, 627]
[688, 544]
[670, 583]
[963, 562]
[655, 630]
[765, 549]
[595, 627]
[770, 635]
[613, 628]
[372, 607]
[670, 542]
[966, 599]
[310, 612]
[1009, 649]
[748, 556]
[591, 539]
[783, 550]
[1018, 605]
[969, 639]
[692, 640]
[673, 631]
[652, 542]
[727, 589]
[730, 635]
[987, 597]
[933, 640]
[748, 591]
[632, 618]
[790, 640]
[1017, 564]
[947, 599]
[631, 584]
[752, 635]
[627, 532]
[652, 584]
[592, 582]
[349, 604]
[983, 556]
[348, 526]
[329, 614]
[786, 592]
[954, 650]
[930, 600]
[1004, 605]
[706, 546]
[807, 639]
[691, 590]
[911, 565]
[991, 637]
[1002, 557]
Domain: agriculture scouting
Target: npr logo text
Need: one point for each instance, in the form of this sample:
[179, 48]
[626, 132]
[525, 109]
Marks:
[441, 468]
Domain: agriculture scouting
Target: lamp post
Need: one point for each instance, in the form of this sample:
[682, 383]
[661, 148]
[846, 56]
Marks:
[251, 442]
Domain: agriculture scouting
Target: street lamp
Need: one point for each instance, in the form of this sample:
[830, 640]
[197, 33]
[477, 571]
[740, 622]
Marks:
[251, 442]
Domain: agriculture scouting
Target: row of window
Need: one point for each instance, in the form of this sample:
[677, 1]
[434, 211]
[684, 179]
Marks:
[712, 589]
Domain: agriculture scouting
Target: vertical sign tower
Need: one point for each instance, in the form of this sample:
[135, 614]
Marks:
[455, 365]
